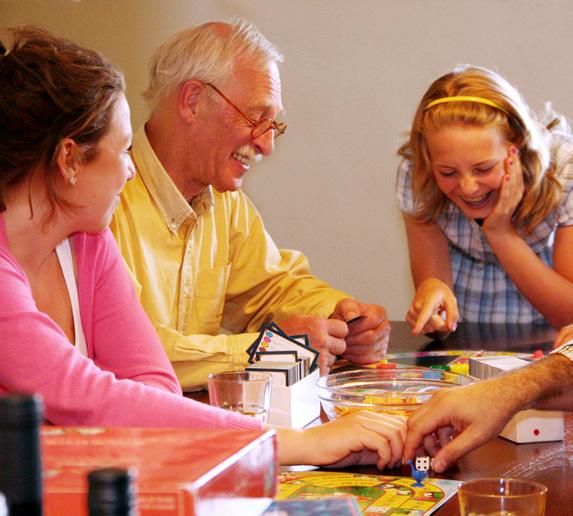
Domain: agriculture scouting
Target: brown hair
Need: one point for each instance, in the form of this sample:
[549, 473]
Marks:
[50, 89]
[542, 176]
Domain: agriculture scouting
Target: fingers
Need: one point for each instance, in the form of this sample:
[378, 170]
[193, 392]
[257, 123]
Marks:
[391, 428]
[431, 445]
[361, 437]
[564, 335]
[451, 311]
[330, 349]
[434, 442]
[423, 422]
[434, 308]
[372, 341]
[445, 435]
[325, 362]
[367, 339]
[335, 328]
[414, 439]
[346, 310]
[424, 316]
[457, 448]
[510, 194]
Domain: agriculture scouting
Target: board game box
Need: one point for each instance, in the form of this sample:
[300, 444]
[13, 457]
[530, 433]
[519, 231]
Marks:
[179, 472]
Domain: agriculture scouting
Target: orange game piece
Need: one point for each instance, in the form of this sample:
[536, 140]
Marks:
[389, 365]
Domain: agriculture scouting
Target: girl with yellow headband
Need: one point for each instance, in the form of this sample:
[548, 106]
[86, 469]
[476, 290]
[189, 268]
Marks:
[486, 192]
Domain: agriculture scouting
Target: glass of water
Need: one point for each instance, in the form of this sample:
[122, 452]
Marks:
[247, 392]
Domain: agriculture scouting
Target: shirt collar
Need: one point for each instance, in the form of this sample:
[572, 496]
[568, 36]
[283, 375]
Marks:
[173, 206]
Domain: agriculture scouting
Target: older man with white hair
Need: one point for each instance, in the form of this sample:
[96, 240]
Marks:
[209, 273]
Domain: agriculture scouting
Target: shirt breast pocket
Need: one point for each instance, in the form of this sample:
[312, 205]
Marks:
[209, 303]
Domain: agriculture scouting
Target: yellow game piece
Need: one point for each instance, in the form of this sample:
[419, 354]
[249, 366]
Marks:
[460, 368]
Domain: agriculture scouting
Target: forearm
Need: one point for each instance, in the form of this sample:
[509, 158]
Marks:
[195, 356]
[279, 296]
[547, 290]
[428, 251]
[546, 384]
[292, 447]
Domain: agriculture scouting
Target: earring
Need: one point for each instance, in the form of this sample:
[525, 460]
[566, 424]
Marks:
[72, 180]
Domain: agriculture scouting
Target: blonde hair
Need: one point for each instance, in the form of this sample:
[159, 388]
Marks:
[518, 124]
[206, 53]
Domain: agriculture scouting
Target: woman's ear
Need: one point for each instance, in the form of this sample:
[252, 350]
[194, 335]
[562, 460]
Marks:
[189, 95]
[68, 159]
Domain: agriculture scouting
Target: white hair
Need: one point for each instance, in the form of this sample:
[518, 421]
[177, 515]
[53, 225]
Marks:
[206, 53]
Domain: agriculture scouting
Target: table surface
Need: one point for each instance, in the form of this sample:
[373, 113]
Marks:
[548, 463]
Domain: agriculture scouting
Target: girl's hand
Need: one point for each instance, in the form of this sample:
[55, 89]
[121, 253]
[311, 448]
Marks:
[511, 192]
[434, 308]
[565, 335]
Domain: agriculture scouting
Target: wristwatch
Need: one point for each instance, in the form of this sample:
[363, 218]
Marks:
[565, 349]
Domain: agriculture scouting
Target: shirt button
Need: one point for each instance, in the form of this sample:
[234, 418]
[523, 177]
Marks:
[174, 226]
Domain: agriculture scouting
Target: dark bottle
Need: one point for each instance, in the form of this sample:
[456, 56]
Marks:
[111, 492]
[20, 462]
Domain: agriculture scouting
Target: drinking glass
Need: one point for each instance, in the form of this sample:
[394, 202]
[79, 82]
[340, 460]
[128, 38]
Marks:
[502, 497]
[247, 392]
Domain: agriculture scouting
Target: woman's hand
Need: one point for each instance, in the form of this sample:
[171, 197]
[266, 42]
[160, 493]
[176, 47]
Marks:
[356, 439]
[565, 335]
[500, 220]
[434, 308]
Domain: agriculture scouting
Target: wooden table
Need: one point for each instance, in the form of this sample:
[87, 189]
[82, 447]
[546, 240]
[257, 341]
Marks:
[548, 463]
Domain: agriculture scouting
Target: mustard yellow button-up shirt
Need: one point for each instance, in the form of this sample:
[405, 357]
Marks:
[208, 273]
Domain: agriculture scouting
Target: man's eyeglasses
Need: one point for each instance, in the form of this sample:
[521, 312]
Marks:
[259, 127]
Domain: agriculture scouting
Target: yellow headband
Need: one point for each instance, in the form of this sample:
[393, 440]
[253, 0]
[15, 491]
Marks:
[463, 98]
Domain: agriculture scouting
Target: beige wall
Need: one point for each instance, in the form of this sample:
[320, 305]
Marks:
[354, 72]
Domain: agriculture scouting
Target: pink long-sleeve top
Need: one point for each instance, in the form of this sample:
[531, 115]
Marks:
[126, 379]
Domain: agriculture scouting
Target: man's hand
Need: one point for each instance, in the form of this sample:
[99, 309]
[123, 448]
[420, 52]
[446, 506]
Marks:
[433, 309]
[326, 336]
[457, 420]
[356, 439]
[367, 339]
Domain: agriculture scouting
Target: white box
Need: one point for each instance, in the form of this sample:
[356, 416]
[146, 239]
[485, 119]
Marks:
[297, 405]
[532, 426]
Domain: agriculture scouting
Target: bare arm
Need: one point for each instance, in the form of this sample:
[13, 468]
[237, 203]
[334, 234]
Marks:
[432, 274]
[550, 290]
[428, 250]
[359, 438]
[459, 412]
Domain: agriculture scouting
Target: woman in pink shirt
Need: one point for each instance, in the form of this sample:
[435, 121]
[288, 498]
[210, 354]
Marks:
[71, 327]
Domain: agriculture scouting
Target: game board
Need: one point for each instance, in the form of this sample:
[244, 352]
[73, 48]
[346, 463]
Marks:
[444, 357]
[375, 494]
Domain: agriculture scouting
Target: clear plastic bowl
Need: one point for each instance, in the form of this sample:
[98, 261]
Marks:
[394, 391]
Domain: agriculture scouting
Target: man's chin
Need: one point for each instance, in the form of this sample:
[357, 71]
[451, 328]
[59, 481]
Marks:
[229, 187]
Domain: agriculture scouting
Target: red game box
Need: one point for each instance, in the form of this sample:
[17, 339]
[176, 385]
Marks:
[179, 472]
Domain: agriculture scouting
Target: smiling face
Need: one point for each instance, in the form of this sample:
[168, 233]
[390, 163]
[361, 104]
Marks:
[100, 181]
[468, 164]
[227, 148]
